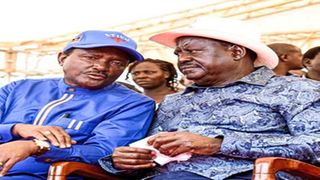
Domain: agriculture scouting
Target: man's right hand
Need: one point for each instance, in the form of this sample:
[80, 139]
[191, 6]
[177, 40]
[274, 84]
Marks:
[55, 134]
[130, 158]
[13, 152]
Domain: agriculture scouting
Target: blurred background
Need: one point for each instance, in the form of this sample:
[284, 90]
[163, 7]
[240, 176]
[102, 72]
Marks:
[34, 31]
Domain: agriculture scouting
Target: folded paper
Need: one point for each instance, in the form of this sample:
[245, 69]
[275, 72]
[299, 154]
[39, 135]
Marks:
[160, 159]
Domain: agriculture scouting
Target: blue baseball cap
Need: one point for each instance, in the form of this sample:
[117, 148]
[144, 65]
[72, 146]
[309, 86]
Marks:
[95, 39]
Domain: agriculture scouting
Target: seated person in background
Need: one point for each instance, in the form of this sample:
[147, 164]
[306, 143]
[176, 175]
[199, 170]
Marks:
[158, 78]
[290, 58]
[80, 117]
[311, 61]
[234, 112]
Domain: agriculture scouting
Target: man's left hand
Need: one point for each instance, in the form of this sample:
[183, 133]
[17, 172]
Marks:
[13, 152]
[174, 143]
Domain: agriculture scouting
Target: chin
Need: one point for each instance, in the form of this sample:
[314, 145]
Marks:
[147, 87]
[94, 86]
[191, 76]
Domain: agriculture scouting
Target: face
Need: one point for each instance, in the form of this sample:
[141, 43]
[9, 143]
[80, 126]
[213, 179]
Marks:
[93, 68]
[203, 60]
[149, 75]
[314, 64]
[295, 59]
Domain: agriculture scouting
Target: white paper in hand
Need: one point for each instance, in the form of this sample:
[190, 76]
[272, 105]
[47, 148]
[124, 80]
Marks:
[161, 159]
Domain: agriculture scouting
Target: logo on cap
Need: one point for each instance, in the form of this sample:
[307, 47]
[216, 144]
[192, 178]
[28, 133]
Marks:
[117, 38]
[76, 39]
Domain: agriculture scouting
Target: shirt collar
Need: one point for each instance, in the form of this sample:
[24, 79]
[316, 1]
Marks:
[260, 77]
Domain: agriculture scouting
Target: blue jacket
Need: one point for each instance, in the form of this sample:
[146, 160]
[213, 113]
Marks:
[99, 120]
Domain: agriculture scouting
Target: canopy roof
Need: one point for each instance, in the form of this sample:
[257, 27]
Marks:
[34, 29]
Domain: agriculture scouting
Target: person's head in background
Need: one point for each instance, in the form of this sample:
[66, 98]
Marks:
[290, 58]
[311, 61]
[157, 77]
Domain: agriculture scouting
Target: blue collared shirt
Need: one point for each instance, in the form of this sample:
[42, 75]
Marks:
[259, 115]
[99, 120]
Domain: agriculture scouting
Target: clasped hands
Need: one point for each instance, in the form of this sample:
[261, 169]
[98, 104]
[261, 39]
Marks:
[15, 151]
[168, 143]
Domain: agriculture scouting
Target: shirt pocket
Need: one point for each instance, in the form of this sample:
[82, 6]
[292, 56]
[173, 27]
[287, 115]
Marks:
[73, 126]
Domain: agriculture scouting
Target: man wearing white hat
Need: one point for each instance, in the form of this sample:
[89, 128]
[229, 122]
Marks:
[237, 110]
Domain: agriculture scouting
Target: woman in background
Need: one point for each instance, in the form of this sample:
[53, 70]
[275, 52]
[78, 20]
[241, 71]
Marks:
[311, 61]
[158, 78]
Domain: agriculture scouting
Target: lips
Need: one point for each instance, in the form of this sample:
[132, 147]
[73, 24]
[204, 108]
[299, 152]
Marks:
[142, 82]
[97, 76]
[187, 65]
[187, 68]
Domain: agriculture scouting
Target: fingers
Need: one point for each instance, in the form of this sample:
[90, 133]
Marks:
[135, 167]
[174, 148]
[173, 143]
[154, 137]
[6, 166]
[13, 152]
[133, 158]
[142, 154]
[50, 137]
[162, 138]
[179, 150]
[73, 141]
[40, 136]
[2, 164]
[132, 152]
[63, 138]
[57, 136]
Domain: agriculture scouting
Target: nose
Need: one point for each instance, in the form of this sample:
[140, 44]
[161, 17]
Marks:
[101, 65]
[184, 57]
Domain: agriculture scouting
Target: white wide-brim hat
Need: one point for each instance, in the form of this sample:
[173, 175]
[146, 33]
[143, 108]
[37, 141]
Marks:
[229, 30]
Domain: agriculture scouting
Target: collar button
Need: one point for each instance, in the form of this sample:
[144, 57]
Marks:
[71, 89]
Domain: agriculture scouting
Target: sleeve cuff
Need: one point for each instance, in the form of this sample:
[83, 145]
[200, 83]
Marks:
[56, 154]
[106, 164]
[5, 132]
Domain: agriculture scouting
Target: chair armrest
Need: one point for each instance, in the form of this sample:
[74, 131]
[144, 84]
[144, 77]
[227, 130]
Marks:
[60, 170]
[266, 168]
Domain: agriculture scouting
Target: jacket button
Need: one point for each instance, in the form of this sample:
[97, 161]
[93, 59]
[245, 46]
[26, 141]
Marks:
[47, 160]
[71, 90]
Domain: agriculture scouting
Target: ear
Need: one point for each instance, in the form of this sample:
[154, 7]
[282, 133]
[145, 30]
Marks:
[238, 52]
[166, 74]
[306, 62]
[283, 57]
[61, 58]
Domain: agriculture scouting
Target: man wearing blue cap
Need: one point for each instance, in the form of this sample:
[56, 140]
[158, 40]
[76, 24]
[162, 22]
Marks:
[81, 117]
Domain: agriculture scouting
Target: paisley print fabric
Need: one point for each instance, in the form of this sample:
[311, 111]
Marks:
[260, 115]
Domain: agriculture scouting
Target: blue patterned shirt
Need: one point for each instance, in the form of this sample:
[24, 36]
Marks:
[260, 115]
